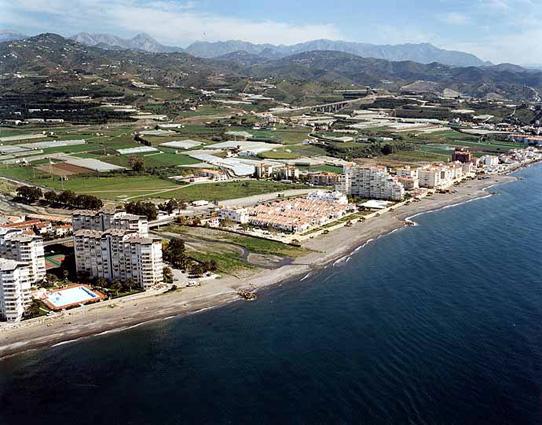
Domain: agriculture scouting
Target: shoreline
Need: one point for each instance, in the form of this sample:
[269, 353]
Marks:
[125, 313]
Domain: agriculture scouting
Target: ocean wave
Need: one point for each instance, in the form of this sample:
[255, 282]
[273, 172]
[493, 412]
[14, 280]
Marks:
[409, 219]
[69, 341]
[305, 277]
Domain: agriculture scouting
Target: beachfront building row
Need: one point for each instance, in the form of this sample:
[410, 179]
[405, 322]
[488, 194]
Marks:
[22, 263]
[117, 254]
[372, 182]
[106, 219]
[25, 248]
[15, 283]
[435, 176]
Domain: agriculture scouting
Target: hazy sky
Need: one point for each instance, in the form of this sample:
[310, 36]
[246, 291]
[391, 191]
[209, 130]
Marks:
[496, 30]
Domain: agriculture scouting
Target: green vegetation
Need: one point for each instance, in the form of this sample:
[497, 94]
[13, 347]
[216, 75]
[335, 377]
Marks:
[279, 154]
[154, 160]
[226, 262]
[265, 246]
[227, 190]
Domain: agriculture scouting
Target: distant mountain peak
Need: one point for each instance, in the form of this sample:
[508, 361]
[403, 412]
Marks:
[141, 41]
[422, 53]
[8, 35]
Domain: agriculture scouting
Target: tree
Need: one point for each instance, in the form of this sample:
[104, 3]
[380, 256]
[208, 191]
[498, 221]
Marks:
[88, 202]
[172, 205]
[175, 253]
[29, 194]
[67, 198]
[136, 163]
[129, 285]
[168, 275]
[51, 197]
[387, 149]
[210, 266]
[148, 209]
[197, 269]
[102, 282]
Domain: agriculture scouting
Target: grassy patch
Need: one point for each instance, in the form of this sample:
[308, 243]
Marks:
[228, 190]
[227, 262]
[265, 246]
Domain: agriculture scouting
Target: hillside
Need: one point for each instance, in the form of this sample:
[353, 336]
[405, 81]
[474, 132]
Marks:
[328, 66]
[141, 41]
[53, 55]
[67, 60]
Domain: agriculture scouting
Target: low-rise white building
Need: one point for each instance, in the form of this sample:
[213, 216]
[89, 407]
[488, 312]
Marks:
[328, 196]
[237, 215]
[15, 282]
[489, 160]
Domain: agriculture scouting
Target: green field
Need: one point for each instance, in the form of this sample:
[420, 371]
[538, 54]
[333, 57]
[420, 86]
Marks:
[265, 246]
[153, 160]
[227, 190]
[107, 187]
[279, 154]
[227, 262]
[121, 187]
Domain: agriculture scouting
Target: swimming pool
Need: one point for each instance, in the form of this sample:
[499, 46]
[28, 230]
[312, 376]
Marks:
[71, 296]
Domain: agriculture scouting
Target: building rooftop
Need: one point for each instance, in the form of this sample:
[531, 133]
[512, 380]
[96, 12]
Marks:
[9, 265]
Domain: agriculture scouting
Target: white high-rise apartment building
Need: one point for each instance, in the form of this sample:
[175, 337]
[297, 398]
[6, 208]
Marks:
[119, 254]
[19, 246]
[106, 219]
[371, 182]
[15, 282]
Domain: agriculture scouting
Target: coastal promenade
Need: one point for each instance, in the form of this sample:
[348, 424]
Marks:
[126, 312]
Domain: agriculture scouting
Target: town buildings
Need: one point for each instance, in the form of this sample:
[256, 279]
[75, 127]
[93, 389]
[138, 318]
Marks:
[462, 155]
[434, 177]
[115, 245]
[105, 219]
[237, 215]
[292, 215]
[371, 182]
[117, 254]
[324, 179]
[15, 282]
[265, 170]
[489, 160]
[25, 248]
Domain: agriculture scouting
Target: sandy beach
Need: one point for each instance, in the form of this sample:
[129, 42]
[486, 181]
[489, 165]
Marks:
[119, 314]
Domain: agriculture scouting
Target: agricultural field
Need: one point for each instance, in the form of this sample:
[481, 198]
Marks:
[153, 160]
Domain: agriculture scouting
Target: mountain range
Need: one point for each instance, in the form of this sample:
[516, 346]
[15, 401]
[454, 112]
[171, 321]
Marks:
[66, 59]
[421, 53]
[141, 41]
[6, 35]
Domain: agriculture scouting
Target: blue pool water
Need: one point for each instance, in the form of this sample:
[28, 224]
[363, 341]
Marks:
[435, 324]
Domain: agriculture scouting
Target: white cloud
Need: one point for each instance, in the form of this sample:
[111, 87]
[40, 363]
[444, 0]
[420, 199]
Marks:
[169, 21]
[455, 18]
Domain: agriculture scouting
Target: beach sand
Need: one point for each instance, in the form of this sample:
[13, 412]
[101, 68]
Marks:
[126, 312]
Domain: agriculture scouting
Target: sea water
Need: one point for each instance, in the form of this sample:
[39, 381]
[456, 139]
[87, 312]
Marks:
[440, 323]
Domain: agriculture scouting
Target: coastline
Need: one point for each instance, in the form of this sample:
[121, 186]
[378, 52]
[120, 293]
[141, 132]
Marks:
[121, 314]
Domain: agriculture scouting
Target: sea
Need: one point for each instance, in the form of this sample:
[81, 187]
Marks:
[439, 323]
